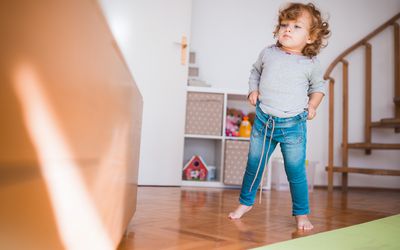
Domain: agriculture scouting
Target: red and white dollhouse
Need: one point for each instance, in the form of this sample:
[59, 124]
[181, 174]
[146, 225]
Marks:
[195, 169]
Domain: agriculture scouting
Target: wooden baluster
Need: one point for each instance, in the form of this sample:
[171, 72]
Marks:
[367, 146]
[368, 104]
[345, 139]
[397, 73]
[331, 134]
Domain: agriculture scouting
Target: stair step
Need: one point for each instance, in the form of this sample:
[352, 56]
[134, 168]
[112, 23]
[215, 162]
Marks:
[373, 146]
[387, 123]
[372, 171]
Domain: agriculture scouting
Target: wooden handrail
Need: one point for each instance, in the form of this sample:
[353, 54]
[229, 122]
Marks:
[367, 145]
[391, 21]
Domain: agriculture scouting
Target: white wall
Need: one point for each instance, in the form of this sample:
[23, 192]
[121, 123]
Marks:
[227, 36]
[147, 32]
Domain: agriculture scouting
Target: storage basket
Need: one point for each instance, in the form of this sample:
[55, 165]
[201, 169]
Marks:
[236, 152]
[204, 113]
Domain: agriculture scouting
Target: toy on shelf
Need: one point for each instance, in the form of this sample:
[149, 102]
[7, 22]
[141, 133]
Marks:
[233, 120]
[211, 174]
[245, 127]
[195, 169]
[252, 116]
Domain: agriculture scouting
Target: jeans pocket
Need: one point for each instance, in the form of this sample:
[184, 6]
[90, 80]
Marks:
[294, 134]
[258, 128]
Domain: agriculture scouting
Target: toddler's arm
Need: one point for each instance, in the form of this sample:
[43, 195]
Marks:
[316, 90]
[313, 103]
[255, 75]
[253, 97]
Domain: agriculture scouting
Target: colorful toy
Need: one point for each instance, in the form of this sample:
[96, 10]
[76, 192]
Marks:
[245, 127]
[251, 116]
[195, 169]
[233, 120]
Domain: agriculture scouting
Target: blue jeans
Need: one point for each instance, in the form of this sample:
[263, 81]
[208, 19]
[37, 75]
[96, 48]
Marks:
[267, 132]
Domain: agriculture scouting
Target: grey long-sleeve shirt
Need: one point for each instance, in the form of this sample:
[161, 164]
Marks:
[285, 80]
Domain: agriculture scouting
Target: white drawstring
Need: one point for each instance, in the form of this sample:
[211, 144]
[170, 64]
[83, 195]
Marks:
[266, 157]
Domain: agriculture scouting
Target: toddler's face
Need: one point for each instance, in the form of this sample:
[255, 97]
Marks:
[295, 34]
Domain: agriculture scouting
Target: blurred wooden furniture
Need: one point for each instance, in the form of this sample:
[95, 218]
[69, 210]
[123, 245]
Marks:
[393, 123]
[70, 128]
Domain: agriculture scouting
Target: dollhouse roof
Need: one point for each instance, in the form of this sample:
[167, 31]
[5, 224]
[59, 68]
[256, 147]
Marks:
[193, 159]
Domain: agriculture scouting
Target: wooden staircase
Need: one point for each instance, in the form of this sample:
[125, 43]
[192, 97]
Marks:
[387, 123]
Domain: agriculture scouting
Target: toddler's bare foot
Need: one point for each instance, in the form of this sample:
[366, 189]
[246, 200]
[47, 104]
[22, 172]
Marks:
[239, 212]
[303, 223]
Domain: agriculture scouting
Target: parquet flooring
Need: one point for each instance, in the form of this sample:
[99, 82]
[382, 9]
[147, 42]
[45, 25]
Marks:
[196, 218]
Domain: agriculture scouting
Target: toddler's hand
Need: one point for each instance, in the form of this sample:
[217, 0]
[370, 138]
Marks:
[253, 97]
[311, 112]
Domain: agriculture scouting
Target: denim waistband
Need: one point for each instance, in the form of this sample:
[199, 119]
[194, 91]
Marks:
[281, 122]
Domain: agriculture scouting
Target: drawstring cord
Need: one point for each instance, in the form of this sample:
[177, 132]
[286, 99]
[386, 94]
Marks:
[262, 153]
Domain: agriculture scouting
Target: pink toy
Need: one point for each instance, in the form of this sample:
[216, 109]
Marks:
[233, 119]
[231, 127]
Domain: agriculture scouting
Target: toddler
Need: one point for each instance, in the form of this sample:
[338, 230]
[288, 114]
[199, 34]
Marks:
[286, 85]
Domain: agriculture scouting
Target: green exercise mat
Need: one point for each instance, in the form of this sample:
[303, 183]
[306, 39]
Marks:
[375, 235]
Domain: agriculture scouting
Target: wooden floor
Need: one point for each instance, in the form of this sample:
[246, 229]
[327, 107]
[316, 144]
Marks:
[196, 218]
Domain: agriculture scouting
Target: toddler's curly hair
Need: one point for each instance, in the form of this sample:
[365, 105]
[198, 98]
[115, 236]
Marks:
[319, 27]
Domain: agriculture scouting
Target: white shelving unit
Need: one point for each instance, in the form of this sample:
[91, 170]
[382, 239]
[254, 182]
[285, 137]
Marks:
[212, 147]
